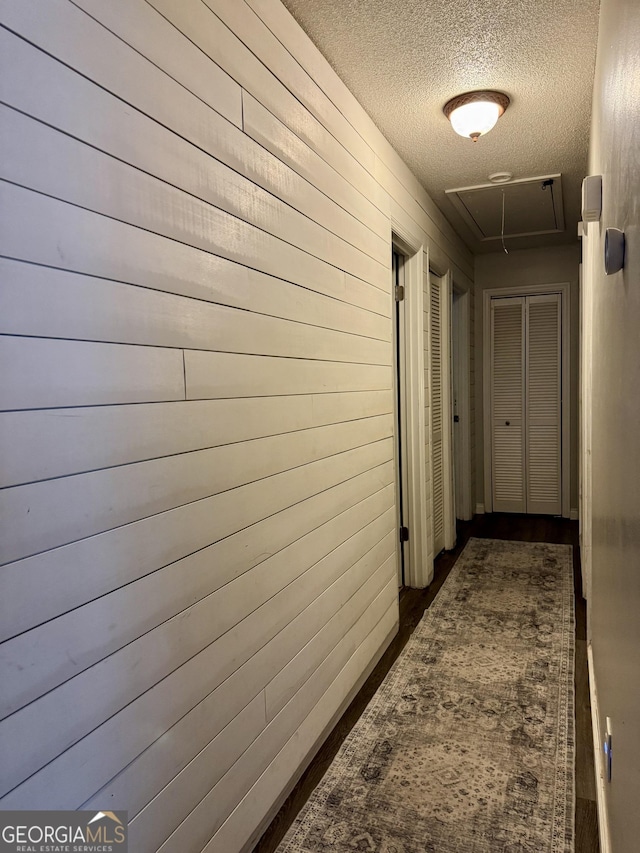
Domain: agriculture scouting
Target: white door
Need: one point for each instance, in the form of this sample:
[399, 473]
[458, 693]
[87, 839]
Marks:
[543, 404]
[507, 403]
[526, 435]
[460, 405]
[456, 394]
[437, 433]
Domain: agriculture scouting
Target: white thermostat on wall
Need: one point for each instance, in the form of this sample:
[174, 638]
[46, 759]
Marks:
[591, 198]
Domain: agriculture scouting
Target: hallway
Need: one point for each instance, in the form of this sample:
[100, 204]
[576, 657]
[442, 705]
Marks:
[413, 604]
[206, 490]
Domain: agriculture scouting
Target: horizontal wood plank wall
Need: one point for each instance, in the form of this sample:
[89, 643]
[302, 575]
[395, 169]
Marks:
[197, 561]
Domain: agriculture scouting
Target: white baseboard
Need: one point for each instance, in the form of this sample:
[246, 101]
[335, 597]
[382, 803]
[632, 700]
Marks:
[573, 514]
[603, 819]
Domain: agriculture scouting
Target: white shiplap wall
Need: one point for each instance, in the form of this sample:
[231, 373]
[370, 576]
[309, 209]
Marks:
[198, 543]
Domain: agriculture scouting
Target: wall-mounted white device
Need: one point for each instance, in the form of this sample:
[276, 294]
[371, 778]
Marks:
[591, 198]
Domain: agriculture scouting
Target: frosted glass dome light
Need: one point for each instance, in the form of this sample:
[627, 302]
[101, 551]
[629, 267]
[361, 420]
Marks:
[475, 113]
[475, 119]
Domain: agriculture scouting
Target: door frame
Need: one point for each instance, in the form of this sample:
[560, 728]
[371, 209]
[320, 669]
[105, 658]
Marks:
[590, 259]
[419, 566]
[563, 288]
[400, 417]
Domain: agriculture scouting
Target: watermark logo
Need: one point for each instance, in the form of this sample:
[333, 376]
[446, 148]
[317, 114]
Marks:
[63, 832]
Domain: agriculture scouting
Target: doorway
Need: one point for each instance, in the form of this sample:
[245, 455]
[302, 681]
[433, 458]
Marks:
[461, 397]
[400, 374]
[414, 560]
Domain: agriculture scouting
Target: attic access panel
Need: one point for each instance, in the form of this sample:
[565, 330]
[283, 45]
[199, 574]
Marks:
[529, 209]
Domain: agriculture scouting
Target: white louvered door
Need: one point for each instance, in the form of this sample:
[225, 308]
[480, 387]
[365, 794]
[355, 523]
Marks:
[437, 472]
[507, 403]
[526, 404]
[543, 404]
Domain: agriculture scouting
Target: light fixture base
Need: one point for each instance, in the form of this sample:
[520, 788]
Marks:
[490, 95]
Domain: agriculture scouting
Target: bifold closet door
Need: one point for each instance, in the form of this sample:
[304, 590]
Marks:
[543, 405]
[526, 404]
[507, 404]
[437, 424]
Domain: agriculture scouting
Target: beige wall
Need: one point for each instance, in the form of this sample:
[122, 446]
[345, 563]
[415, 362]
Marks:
[199, 515]
[518, 268]
[615, 357]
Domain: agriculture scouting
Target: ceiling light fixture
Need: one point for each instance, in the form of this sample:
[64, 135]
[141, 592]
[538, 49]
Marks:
[475, 113]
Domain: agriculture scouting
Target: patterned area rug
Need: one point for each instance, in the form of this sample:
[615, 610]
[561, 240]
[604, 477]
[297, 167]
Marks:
[468, 746]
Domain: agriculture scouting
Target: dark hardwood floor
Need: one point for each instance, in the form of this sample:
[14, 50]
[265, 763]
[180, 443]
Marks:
[413, 603]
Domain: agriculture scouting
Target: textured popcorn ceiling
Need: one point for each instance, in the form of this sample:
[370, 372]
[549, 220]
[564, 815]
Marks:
[403, 59]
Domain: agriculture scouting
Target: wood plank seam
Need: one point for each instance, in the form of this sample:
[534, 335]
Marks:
[49, 320]
[59, 268]
[285, 89]
[376, 478]
[191, 245]
[173, 614]
[200, 196]
[76, 738]
[217, 154]
[34, 206]
[108, 467]
[219, 494]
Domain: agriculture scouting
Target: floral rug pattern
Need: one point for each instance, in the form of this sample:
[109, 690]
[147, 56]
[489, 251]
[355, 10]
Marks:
[468, 746]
